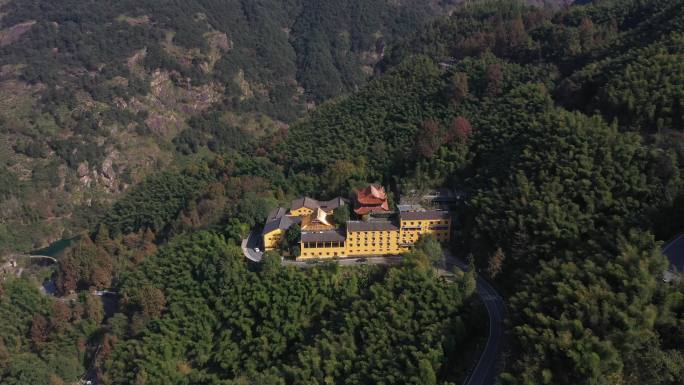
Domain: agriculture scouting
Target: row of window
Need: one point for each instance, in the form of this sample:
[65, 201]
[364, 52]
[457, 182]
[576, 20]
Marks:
[418, 223]
[320, 245]
[385, 244]
[312, 245]
[372, 251]
[372, 233]
[351, 252]
[367, 238]
[319, 254]
[411, 228]
[379, 241]
[414, 237]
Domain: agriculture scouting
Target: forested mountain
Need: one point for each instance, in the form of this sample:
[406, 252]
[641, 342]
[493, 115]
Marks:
[565, 129]
[95, 96]
[561, 128]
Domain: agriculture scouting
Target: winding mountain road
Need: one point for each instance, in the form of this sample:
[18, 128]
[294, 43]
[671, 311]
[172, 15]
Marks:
[674, 251]
[486, 369]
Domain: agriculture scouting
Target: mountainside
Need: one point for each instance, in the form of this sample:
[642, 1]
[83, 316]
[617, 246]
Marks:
[559, 129]
[619, 59]
[564, 129]
[94, 94]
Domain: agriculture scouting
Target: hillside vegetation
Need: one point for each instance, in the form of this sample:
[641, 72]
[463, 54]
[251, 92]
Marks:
[96, 96]
[561, 128]
[565, 129]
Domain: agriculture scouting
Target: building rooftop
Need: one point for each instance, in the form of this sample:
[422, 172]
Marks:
[276, 213]
[371, 199]
[304, 202]
[316, 221]
[354, 226]
[282, 223]
[373, 194]
[333, 203]
[314, 204]
[407, 207]
[323, 236]
[424, 215]
[444, 195]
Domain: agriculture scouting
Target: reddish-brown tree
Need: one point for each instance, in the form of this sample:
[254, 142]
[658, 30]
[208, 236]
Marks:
[67, 278]
[152, 302]
[494, 76]
[458, 88]
[586, 33]
[39, 330]
[429, 138]
[460, 129]
[517, 33]
[4, 354]
[93, 309]
[100, 277]
[61, 314]
[108, 343]
[495, 263]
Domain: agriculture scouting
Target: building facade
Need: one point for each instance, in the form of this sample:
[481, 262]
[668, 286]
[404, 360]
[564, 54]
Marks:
[306, 206]
[376, 237]
[416, 223]
[274, 231]
[321, 238]
[309, 213]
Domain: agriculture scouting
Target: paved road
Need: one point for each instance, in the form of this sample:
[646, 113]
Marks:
[674, 251]
[249, 246]
[486, 369]
[10, 265]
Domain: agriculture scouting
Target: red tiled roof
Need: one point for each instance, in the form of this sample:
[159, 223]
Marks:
[371, 195]
[371, 199]
[362, 210]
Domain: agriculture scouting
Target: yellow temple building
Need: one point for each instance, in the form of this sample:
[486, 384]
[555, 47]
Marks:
[310, 214]
[376, 237]
[321, 238]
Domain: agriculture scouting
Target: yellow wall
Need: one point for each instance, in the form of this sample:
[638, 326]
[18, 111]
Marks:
[359, 243]
[373, 242]
[323, 250]
[272, 239]
[411, 230]
[301, 212]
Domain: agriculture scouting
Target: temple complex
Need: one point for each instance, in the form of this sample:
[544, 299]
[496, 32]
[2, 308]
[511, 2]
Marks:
[322, 238]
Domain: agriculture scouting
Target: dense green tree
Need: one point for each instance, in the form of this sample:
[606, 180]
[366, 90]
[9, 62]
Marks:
[38, 337]
[221, 316]
[153, 203]
[491, 101]
[341, 215]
